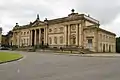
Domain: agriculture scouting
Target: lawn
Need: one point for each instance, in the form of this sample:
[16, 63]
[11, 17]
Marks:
[5, 56]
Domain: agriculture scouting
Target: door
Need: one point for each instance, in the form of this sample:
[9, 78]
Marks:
[109, 48]
[90, 44]
[103, 47]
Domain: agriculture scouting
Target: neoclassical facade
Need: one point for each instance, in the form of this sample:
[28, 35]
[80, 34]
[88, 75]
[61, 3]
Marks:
[76, 30]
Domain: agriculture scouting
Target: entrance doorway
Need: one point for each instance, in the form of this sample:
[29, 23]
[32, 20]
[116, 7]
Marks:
[109, 48]
[33, 37]
[37, 36]
[103, 47]
[90, 44]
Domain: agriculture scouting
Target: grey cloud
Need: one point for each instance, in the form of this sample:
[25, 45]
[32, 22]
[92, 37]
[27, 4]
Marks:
[24, 11]
[103, 10]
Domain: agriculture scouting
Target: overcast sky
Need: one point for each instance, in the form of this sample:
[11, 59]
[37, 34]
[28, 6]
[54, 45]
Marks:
[24, 11]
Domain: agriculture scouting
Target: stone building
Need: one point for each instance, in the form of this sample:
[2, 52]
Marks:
[6, 40]
[76, 30]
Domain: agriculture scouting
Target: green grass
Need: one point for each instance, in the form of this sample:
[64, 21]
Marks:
[5, 56]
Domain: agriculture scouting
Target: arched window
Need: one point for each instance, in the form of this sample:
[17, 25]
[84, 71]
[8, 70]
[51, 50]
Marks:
[50, 30]
[27, 41]
[73, 27]
[50, 40]
[61, 39]
[24, 33]
[73, 39]
[28, 32]
[55, 30]
[24, 42]
[101, 47]
[61, 29]
[55, 40]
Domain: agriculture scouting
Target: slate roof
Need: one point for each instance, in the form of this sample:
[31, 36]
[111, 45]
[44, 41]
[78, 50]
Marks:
[70, 17]
[100, 29]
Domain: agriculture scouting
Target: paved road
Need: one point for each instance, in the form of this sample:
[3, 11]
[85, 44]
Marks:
[39, 66]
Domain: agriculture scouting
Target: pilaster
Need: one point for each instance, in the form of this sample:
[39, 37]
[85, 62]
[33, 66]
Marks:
[69, 34]
[47, 34]
[35, 37]
[30, 39]
[40, 36]
[77, 34]
[80, 35]
[44, 35]
[65, 35]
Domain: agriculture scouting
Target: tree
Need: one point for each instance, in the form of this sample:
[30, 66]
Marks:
[118, 44]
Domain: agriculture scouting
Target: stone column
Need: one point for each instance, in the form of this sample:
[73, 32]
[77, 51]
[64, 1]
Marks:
[65, 35]
[47, 34]
[30, 38]
[13, 38]
[19, 39]
[77, 34]
[96, 42]
[40, 36]
[80, 35]
[44, 35]
[35, 37]
[69, 34]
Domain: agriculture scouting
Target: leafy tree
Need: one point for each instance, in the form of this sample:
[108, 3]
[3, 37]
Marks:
[118, 44]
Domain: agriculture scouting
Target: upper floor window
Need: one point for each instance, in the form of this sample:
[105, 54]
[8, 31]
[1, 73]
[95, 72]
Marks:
[24, 33]
[28, 32]
[50, 30]
[61, 29]
[55, 30]
[73, 27]
[106, 38]
[103, 37]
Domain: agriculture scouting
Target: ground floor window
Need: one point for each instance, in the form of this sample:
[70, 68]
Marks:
[50, 40]
[55, 40]
[90, 44]
[61, 39]
[73, 40]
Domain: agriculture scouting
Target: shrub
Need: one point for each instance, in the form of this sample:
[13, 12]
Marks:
[14, 47]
